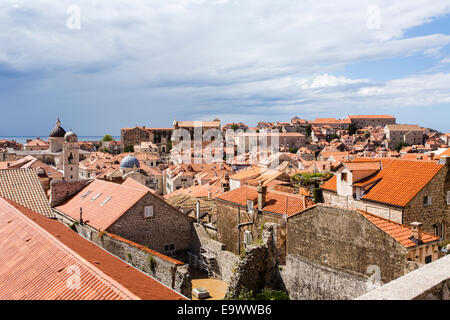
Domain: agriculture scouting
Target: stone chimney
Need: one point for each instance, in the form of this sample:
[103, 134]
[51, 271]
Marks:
[197, 211]
[262, 191]
[416, 231]
[226, 184]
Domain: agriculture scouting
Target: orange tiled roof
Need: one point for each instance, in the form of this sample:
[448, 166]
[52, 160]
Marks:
[446, 153]
[367, 165]
[37, 253]
[397, 182]
[199, 191]
[23, 187]
[399, 232]
[247, 173]
[36, 143]
[276, 202]
[100, 216]
[380, 116]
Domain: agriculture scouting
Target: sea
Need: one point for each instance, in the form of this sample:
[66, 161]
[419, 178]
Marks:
[23, 139]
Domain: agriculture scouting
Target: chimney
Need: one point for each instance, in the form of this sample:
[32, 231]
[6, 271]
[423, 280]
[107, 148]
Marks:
[262, 191]
[416, 231]
[197, 211]
[226, 184]
[209, 195]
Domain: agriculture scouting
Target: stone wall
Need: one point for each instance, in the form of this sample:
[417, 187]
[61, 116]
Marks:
[258, 267]
[343, 239]
[167, 226]
[306, 280]
[172, 273]
[438, 211]
[381, 210]
[206, 238]
[229, 216]
[60, 190]
[429, 282]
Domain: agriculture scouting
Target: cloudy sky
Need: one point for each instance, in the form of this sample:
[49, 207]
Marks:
[103, 65]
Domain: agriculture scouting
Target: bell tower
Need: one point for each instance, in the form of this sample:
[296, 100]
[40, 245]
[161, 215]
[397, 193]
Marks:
[71, 157]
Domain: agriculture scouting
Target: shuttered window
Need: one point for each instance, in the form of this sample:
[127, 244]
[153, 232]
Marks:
[148, 212]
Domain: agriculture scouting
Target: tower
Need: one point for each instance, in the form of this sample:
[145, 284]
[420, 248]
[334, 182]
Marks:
[56, 137]
[71, 157]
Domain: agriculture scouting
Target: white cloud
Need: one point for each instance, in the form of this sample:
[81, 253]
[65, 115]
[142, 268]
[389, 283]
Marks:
[232, 57]
[326, 80]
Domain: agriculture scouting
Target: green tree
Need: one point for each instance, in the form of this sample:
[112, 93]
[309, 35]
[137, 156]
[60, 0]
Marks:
[318, 195]
[332, 137]
[234, 127]
[367, 134]
[308, 131]
[352, 128]
[293, 150]
[128, 148]
[107, 137]
[400, 146]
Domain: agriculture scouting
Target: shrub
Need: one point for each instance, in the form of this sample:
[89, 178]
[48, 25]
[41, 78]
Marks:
[245, 294]
[268, 294]
[151, 263]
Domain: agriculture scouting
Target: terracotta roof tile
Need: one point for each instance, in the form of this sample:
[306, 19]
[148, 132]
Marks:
[399, 232]
[397, 182]
[276, 202]
[100, 216]
[37, 252]
[23, 187]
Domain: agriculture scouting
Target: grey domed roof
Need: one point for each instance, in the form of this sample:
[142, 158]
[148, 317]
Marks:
[70, 136]
[58, 131]
[130, 162]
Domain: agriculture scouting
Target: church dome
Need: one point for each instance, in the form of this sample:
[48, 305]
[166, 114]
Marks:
[129, 162]
[58, 131]
[70, 137]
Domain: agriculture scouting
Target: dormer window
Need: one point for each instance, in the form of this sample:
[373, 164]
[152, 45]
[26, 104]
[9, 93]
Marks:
[344, 177]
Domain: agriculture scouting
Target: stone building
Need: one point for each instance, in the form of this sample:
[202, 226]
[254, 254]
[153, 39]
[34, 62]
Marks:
[410, 134]
[135, 136]
[71, 157]
[192, 126]
[242, 211]
[403, 191]
[36, 144]
[363, 121]
[350, 246]
[247, 141]
[56, 138]
[133, 212]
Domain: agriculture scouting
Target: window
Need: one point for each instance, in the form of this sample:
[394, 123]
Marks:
[438, 229]
[169, 247]
[427, 201]
[106, 200]
[344, 176]
[249, 206]
[248, 238]
[94, 198]
[428, 259]
[448, 197]
[148, 212]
